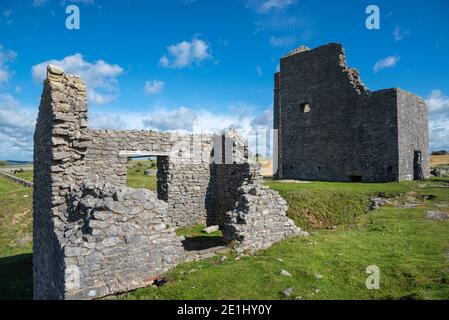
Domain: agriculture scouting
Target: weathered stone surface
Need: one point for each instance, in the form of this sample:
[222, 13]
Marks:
[331, 127]
[259, 219]
[93, 236]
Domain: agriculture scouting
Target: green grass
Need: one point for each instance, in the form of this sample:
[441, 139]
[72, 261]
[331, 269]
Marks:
[409, 249]
[196, 232]
[15, 240]
[136, 177]
[26, 175]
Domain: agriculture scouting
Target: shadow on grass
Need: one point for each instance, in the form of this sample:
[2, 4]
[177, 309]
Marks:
[16, 277]
[202, 242]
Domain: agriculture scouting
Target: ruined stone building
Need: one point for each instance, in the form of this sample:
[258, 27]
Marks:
[331, 127]
[94, 236]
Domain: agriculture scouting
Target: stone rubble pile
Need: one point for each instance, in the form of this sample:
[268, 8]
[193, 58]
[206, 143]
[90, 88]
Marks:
[259, 219]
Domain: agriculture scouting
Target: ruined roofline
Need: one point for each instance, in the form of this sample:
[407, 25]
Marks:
[54, 70]
[354, 72]
[397, 90]
[302, 49]
[336, 50]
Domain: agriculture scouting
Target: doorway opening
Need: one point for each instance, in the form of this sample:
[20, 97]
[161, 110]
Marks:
[417, 166]
[355, 178]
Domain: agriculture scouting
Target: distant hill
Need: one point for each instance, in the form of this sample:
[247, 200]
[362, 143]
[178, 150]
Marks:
[7, 163]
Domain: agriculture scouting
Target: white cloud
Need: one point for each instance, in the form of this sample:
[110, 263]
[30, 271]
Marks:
[259, 71]
[437, 102]
[6, 57]
[438, 105]
[439, 132]
[282, 41]
[185, 53]
[85, 2]
[16, 129]
[39, 3]
[100, 77]
[178, 119]
[388, 62]
[183, 119]
[400, 34]
[154, 86]
[265, 6]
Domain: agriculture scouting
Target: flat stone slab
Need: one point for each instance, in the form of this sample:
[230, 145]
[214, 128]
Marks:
[293, 181]
[196, 255]
[436, 215]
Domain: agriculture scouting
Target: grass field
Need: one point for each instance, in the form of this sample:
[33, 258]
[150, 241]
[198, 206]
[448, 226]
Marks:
[15, 240]
[411, 251]
[136, 178]
[27, 175]
[439, 161]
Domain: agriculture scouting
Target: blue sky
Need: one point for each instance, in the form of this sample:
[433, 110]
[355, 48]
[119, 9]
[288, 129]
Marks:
[161, 64]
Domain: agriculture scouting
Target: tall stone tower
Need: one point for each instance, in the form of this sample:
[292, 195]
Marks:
[331, 127]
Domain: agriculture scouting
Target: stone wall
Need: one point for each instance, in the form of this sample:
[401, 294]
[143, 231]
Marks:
[258, 219]
[226, 179]
[118, 239]
[183, 174]
[93, 236]
[331, 127]
[413, 135]
[60, 145]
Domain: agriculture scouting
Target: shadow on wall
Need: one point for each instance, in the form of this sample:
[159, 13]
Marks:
[16, 277]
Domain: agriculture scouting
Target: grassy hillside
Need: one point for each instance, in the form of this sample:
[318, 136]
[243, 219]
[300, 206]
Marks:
[411, 251]
[15, 240]
[136, 177]
[27, 175]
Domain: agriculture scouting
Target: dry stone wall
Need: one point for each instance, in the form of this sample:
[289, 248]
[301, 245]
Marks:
[183, 174]
[119, 239]
[61, 139]
[93, 236]
[258, 219]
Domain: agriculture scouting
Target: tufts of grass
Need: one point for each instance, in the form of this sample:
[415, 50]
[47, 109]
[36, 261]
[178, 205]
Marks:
[15, 240]
[319, 209]
[196, 232]
[136, 177]
[407, 248]
[26, 175]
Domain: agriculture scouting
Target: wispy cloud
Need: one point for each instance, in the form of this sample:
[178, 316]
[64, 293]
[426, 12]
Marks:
[388, 62]
[266, 6]
[185, 54]
[183, 119]
[100, 76]
[438, 105]
[6, 57]
[85, 2]
[259, 71]
[282, 41]
[154, 86]
[39, 3]
[400, 34]
[437, 102]
[16, 129]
